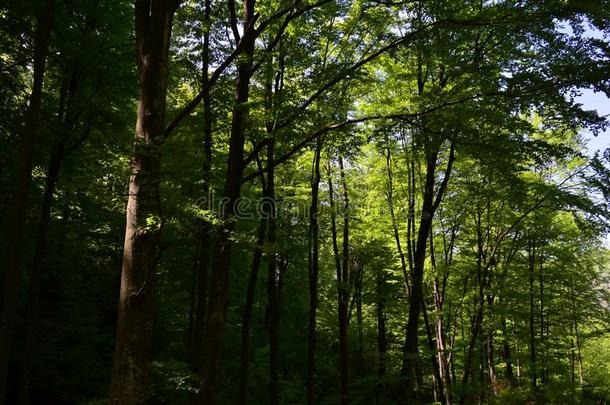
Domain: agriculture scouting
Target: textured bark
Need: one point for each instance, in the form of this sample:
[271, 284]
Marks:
[17, 217]
[219, 286]
[133, 345]
[314, 252]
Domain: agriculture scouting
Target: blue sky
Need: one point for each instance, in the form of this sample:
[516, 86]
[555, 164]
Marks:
[596, 101]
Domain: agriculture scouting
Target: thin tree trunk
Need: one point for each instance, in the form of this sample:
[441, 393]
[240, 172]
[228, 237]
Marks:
[131, 360]
[201, 270]
[441, 349]
[382, 345]
[439, 389]
[219, 287]
[342, 270]
[477, 321]
[532, 342]
[358, 275]
[542, 349]
[65, 101]
[17, 218]
[491, 369]
[390, 196]
[409, 391]
[506, 352]
[581, 376]
[36, 276]
[272, 284]
[314, 251]
[247, 316]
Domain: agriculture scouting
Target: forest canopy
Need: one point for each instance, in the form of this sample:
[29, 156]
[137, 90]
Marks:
[303, 202]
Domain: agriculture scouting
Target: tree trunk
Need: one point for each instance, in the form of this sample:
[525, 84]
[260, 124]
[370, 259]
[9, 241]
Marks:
[247, 316]
[382, 345]
[542, 347]
[131, 360]
[410, 352]
[358, 275]
[314, 251]
[201, 270]
[532, 342]
[17, 218]
[64, 120]
[390, 196]
[506, 352]
[272, 283]
[441, 346]
[219, 287]
[36, 276]
[342, 266]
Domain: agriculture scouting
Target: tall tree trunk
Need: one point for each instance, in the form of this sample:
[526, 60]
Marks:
[390, 196]
[532, 342]
[342, 266]
[491, 368]
[64, 120]
[131, 360]
[477, 320]
[382, 345]
[542, 347]
[247, 316]
[358, 279]
[314, 252]
[201, 270]
[344, 296]
[17, 218]
[438, 298]
[441, 346]
[219, 287]
[410, 393]
[581, 376]
[438, 388]
[36, 276]
[272, 284]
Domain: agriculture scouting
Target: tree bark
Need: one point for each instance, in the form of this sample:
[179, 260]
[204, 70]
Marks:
[390, 196]
[382, 345]
[409, 390]
[201, 270]
[131, 360]
[219, 287]
[272, 283]
[532, 342]
[64, 121]
[17, 217]
[247, 316]
[314, 252]
[36, 276]
[342, 271]
[506, 352]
